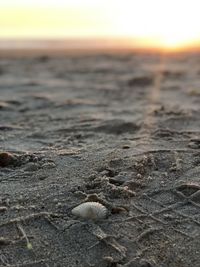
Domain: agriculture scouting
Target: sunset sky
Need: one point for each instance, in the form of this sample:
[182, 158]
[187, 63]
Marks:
[167, 23]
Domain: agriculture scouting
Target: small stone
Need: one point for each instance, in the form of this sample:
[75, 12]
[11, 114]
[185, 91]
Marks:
[43, 177]
[117, 210]
[6, 159]
[125, 147]
[4, 241]
[117, 180]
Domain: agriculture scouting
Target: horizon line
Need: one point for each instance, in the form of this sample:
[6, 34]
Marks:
[87, 44]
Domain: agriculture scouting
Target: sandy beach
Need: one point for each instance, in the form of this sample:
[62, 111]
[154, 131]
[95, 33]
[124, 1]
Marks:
[119, 129]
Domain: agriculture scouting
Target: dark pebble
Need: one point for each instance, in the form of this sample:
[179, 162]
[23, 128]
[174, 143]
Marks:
[6, 159]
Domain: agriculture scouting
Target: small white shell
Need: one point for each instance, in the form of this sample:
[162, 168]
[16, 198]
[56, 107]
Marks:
[90, 210]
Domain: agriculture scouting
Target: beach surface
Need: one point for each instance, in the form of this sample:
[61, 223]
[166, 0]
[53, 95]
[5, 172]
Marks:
[122, 130]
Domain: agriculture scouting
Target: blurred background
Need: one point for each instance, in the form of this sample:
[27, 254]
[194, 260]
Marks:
[96, 24]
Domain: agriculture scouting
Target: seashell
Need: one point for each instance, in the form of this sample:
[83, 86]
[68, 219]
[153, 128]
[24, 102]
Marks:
[90, 210]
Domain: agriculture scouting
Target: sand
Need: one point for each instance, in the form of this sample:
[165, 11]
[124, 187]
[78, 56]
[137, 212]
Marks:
[123, 130]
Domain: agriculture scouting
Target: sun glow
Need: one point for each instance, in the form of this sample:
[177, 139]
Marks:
[170, 24]
[158, 23]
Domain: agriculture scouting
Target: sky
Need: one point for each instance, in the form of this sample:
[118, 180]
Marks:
[167, 23]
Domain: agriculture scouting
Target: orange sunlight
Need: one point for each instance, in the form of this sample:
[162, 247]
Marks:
[168, 24]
